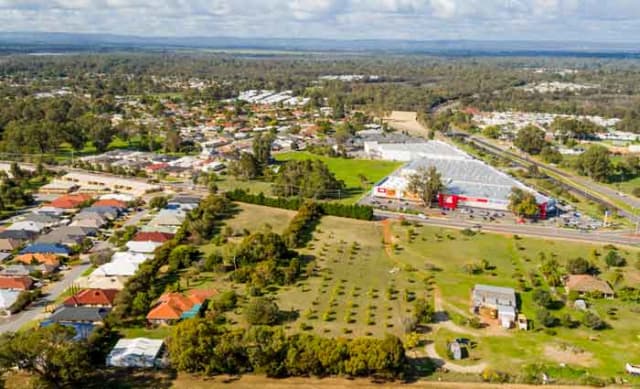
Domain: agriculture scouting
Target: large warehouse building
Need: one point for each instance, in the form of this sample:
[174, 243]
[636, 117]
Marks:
[468, 181]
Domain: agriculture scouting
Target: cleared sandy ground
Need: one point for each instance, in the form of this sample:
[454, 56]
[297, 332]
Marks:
[406, 121]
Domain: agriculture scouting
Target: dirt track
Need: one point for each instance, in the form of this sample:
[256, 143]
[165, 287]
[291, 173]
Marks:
[251, 382]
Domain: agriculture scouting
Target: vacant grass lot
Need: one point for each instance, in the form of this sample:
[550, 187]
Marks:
[349, 170]
[364, 287]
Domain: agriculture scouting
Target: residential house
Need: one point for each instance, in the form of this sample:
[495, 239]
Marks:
[67, 314]
[28, 226]
[498, 301]
[138, 352]
[7, 299]
[71, 201]
[21, 235]
[588, 284]
[99, 281]
[92, 298]
[9, 244]
[22, 270]
[186, 203]
[51, 260]
[46, 248]
[110, 213]
[68, 235]
[159, 237]
[119, 267]
[172, 307]
[168, 217]
[47, 220]
[92, 220]
[82, 319]
[16, 283]
[145, 247]
[114, 203]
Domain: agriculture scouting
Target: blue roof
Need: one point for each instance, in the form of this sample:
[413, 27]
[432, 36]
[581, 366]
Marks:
[83, 330]
[46, 248]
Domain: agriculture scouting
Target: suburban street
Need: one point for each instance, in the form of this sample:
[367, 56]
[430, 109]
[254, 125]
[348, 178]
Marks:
[35, 310]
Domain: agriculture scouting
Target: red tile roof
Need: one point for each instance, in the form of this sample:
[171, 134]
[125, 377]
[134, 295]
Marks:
[110, 203]
[21, 283]
[157, 166]
[103, 297]
[70, 201]
[171, 306]
[159, 237]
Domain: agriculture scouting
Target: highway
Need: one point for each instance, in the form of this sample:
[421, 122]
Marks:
[622, 238]
[581, 185]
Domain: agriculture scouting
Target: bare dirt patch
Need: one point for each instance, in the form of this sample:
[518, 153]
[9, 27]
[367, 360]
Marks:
[406, 121]
[569, 354]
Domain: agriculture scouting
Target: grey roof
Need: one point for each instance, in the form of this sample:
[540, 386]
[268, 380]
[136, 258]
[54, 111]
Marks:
[185, 200]
[83, 314]
[490, 289]
[39, 218]
[474, 178]
[67, 234]
[18, 234]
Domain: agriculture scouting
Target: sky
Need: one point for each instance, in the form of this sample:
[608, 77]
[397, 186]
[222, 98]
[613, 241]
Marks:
[582, 20]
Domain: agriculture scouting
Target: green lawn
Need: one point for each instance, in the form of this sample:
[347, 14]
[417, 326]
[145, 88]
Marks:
[349, 170]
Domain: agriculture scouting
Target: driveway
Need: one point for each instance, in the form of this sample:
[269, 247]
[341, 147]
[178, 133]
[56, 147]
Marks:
[35, 310]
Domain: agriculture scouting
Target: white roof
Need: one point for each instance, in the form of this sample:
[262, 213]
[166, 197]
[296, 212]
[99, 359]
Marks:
[120, 267]
[118, 196]
[138, 347]
[143, 247]
[129, 256]
[27, 226]
[168, 217]
[8, 297]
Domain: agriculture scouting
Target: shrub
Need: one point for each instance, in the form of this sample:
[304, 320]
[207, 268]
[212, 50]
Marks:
[578, 266]
[262, 310]
[593, 321]
[614, 259]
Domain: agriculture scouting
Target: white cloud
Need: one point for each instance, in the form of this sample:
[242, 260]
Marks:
[408, 19]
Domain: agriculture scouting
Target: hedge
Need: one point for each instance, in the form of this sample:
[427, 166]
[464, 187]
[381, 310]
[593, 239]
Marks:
[300, 228]
[360, 212]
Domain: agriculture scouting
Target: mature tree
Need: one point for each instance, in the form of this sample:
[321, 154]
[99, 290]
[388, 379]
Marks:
[530, 139]
[578, 265]
[423, 311]
[595, 163]
[262, 311]
[523, 203]
[542, 298]
[49, 353]
[262, 143]
[307, 178]
[172, 141]
[191, 346]
[552, 271]
[614, 259]
[158, 202]
[492, 132]
[425, 183]
[550, 155]
[246, 167]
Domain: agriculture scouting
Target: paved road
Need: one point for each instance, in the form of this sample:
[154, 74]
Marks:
[523, 229]
[35, 311]
[582, 185]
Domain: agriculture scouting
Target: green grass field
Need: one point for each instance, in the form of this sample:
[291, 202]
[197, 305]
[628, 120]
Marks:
[362, 289]
[349, 170]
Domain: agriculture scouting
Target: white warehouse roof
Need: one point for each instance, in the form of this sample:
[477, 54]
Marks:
[137, 352]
